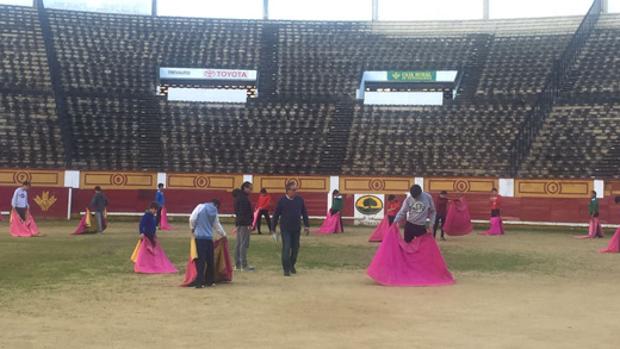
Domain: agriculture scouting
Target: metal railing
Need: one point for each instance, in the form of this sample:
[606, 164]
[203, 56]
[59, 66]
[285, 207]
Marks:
[551, 90]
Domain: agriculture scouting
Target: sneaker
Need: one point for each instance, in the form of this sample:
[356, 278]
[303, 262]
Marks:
[286, 273]
[238, 269]
[249, 268]
[200, 286]
[274, 236]
[443, 238]
[293, 270]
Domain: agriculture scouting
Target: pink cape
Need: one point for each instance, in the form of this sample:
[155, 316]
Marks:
[594, 230]
[163, 222]
[23, 229]
[418, 263]
[82, 227]
[458, 221]
[496, 227]
[331, 224]
[255, 218]
[151, 259]
[223, 264]
[380, 230]
[614, 244]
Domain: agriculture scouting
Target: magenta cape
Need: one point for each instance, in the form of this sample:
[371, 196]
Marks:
[163, 220]
[86, 226]
[614, 244]
[380, 231]
[418, 263]
[223, 263]
[331, 224]
[23, 229]
[458, 221]
[150, 258]
[594, 230]
[496, 227]
[255, 218]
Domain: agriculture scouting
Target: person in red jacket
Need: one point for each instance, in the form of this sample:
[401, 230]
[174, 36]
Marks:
[392, 208]
[496, 203]
[263, 205]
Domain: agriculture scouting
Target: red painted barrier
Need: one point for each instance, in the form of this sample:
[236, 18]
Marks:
[52, 201]
[183, 201]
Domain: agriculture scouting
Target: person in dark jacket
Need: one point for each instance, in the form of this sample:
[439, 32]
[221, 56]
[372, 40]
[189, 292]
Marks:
[290, 208]
[148, 223]
[243, 222]
[98, 205]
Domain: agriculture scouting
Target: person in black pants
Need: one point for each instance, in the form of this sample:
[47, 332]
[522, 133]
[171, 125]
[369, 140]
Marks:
[204, 222]
[291, 208]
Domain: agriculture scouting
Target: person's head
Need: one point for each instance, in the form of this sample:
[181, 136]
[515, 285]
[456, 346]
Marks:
[415, 191]
[160, 186]
[263, 191]
[335, 192]
[443, 194]
[494, 191]
[236, 192]
[246, 187]
[97, 189]
[153, 207]
[593, 194]
[26, 185]
[291, 188]
[391, 197]
[617, 199]
[216, 203]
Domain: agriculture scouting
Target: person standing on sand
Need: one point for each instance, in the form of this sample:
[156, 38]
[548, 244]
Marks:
[291, 208]
[243, 221]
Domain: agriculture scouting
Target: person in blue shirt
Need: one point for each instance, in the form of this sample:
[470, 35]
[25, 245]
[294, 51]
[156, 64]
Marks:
[204, 222]
[148, 226]
[161, 201]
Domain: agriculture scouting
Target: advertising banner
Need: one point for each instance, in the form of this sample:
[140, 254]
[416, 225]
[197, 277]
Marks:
[206, 74]
[368, 208]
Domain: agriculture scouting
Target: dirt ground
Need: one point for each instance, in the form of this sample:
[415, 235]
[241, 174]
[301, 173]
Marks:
[575, 307]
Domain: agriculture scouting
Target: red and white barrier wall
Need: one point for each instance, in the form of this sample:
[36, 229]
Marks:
[60, 193]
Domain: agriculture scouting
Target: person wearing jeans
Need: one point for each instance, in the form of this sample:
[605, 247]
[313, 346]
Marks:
[204, 222]
[243, 221]
[290, 209]
[419, 211]
[161, 201]
[98, 205]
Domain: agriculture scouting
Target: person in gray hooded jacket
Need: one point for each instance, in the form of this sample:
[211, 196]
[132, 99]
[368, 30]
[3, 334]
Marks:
[419, 212]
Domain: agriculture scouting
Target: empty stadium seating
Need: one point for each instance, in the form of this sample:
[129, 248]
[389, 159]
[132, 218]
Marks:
[263, 138]
[114, 53]
[23, 59]
[29, 131]
[574, 143]
[80, 92]
[596, 70]
[433, 140]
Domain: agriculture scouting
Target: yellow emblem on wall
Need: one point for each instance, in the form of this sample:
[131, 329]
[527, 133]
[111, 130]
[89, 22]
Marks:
[45, 201]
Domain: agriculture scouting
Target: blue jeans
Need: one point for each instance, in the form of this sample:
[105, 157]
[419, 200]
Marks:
[290, 249]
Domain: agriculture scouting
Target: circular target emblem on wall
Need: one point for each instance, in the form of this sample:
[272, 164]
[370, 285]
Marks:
[20, 177]
[201, 182]
[552, 187]
[461, 186]
[376, 184]
[369, 205]
[118, 179]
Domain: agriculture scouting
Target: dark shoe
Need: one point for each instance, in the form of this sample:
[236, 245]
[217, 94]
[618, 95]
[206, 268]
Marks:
[443, 238]
[200, 286]
[286, 273]
[293, 270]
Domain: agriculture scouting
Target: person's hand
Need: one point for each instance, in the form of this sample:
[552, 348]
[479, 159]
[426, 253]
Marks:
[141, 236]
[307, 230]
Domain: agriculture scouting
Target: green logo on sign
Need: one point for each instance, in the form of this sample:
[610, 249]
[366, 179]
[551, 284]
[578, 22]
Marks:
[412, 75]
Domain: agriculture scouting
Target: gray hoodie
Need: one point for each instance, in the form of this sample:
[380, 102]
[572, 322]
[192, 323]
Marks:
[417, 211]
